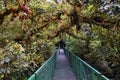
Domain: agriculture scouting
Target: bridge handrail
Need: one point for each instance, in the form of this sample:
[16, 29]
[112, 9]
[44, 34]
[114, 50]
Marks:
[83, 70]
[45, 72]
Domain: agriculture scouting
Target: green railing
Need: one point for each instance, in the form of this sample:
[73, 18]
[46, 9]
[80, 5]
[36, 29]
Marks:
[82, 70]
[45, 72]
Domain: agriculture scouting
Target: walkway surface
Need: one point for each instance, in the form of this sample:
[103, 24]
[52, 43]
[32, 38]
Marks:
[63, 71]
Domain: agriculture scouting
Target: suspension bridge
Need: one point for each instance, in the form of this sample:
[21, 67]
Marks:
[66, 66]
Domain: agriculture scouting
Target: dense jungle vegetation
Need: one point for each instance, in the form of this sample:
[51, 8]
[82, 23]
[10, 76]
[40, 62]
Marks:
[29, 30]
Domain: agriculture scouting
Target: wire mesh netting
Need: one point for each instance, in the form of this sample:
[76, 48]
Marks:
[83, 71]
[45, 72]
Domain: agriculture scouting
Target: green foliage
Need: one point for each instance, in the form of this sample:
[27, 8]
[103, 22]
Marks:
[28, 33]
[104, 52]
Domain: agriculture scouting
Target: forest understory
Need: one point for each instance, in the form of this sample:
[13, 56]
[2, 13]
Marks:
[29, 30]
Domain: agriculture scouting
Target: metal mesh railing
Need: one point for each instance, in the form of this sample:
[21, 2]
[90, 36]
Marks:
[45, 72]
[83, 71]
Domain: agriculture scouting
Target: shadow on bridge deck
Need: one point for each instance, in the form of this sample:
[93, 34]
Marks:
[63, 71]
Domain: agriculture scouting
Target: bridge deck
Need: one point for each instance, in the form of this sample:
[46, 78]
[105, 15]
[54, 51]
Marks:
[63, 71]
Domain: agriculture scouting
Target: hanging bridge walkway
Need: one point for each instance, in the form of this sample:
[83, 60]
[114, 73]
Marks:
[66, 66]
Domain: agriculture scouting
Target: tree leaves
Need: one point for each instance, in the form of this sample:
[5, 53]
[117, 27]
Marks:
[30, 28]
